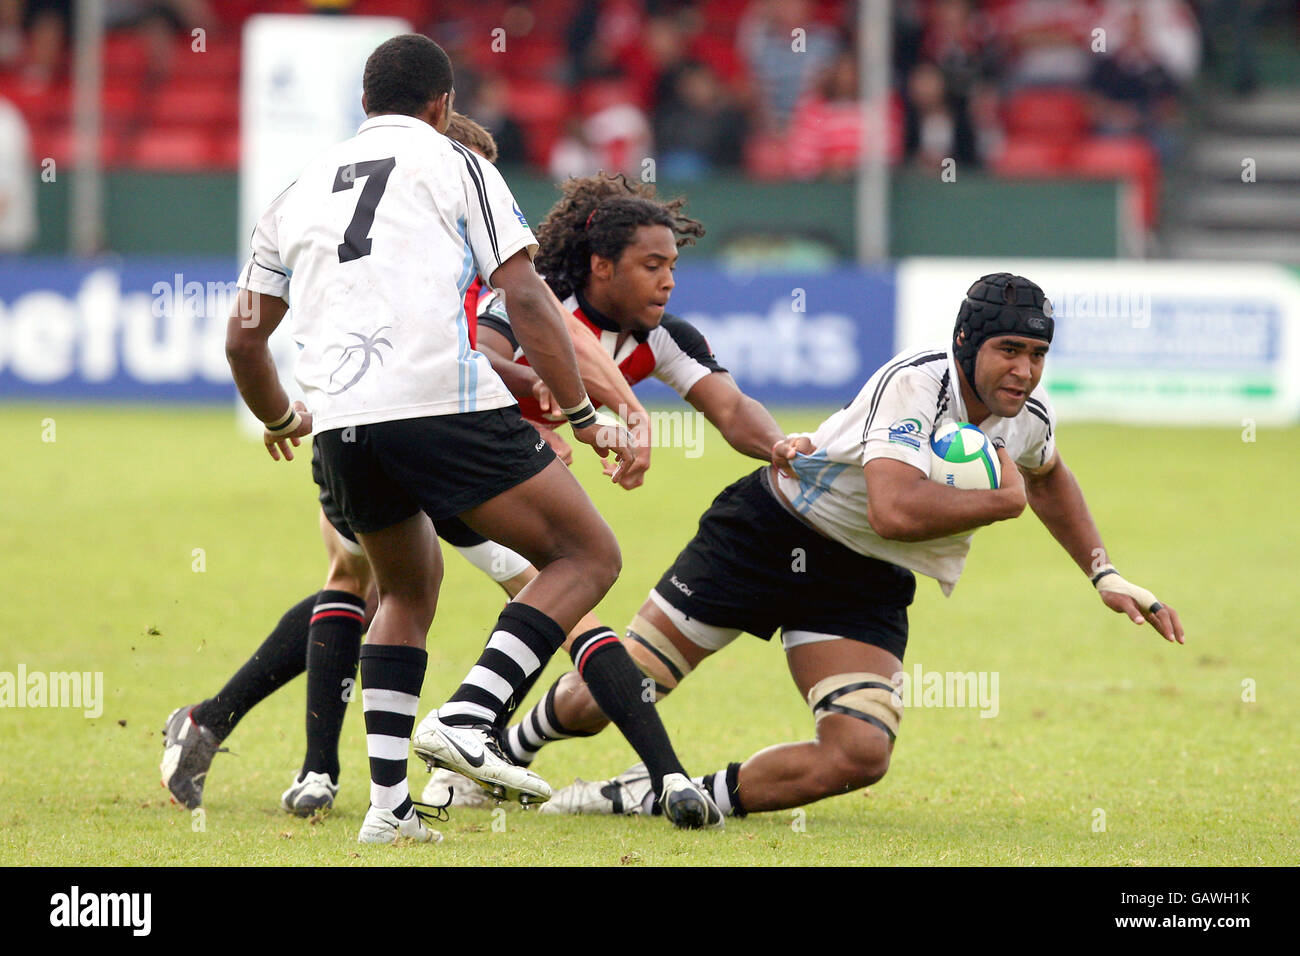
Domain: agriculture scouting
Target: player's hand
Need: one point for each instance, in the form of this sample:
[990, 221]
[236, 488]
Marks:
[1140, 605]
[785, 451]
[1012, 486]
[284, 444]
[550, 407]
[558, 445]
[605, 436]
[639, 425]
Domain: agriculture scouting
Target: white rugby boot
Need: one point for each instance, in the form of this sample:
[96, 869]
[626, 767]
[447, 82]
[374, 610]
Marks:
[382, 826]
[627, 793]
[311, 794]
[475, 752]
[447, 788]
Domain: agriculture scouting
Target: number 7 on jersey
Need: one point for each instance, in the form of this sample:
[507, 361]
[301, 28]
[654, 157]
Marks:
[356, 238]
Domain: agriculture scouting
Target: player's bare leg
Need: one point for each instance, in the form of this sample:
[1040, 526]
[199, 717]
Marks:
[568, 709]
[550, 521]
[848, 752]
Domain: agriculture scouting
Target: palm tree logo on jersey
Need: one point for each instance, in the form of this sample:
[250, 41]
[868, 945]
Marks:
[367, 347]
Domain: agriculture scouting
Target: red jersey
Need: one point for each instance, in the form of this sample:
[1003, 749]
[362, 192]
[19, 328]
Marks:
[674, 352]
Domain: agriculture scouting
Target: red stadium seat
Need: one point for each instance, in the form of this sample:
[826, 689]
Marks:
[767, 157]
[218, 62]
[172, 149]
[1129, 158]
[194, 103]
[1047, 112]
[125, 54]
[38, 104]
[1032, 156]
[54, 141]
[530, 103]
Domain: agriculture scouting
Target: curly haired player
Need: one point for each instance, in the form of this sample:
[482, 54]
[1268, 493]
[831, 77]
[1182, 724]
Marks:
[608, 248]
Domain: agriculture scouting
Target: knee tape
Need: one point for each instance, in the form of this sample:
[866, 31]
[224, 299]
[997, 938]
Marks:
[669, 666]
[495, 560]
[868, 697]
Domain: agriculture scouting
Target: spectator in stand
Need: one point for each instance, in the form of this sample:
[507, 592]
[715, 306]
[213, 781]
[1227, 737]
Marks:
[613, 136]
[962, 44]
[698, 129]
[11, 32]
[931, 132]
[47, 23]
[786, 50]
[488, 107]
[1231, 29]
[601, 35]
[1166, 28]
[1047, 41]
[826, 131]
[17, 183]
[1133, 93]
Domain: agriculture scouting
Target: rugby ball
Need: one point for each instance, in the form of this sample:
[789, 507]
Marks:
[962, 456]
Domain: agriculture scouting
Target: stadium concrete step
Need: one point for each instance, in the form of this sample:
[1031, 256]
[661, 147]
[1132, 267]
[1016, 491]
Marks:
[1221, 157]
[1274, 113]
[1242, 205]
[1236, 245]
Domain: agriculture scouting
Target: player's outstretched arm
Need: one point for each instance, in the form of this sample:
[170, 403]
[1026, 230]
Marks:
[252, 320]
[538, 322]
[903, 504]
[747, 426]
[1055, 496]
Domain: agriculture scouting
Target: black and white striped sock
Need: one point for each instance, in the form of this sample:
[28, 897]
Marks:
[522, 642]
[391, 676]
[724, 787]
[538, 728]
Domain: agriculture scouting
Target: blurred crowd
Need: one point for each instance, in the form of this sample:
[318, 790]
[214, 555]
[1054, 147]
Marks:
[769, 89]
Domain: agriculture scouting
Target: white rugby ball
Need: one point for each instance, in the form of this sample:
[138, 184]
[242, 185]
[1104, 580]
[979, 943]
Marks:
[962, 456]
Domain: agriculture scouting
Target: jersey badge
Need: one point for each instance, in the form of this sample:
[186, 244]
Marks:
[906, 431]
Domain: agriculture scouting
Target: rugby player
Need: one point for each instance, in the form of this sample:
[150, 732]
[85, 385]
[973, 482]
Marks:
[608, 249]
[422, 429]
[321, 634]
[824, 543]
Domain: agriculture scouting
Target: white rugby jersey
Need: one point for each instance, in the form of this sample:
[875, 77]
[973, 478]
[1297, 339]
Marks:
[374, 246]
[893, 417]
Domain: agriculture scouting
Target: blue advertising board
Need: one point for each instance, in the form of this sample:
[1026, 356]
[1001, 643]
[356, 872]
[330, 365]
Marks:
[154, 329]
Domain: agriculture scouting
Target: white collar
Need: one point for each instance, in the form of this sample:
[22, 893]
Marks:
[393, 119]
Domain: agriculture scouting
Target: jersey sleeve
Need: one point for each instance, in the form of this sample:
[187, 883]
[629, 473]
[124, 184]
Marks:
[682, 354]
[264, 271]
[494, 226]
[1040, 444]
[898, 419]
[492, 315]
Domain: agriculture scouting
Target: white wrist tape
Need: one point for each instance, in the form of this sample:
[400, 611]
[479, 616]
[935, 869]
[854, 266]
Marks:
[1108, 579]
[284, 426]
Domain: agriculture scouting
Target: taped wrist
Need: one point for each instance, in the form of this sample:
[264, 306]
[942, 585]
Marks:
[582, 414]
[1108, 579]
[285, 426]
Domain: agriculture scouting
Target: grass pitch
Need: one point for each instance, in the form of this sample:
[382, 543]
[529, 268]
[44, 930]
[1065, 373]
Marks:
[158, 548]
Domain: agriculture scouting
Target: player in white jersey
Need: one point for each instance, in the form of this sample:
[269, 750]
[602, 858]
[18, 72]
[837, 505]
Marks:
[824, 543]
[321, 634]
[375, 244]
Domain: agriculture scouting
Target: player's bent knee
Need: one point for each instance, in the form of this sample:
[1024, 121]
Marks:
[656, 655]
[867, 710]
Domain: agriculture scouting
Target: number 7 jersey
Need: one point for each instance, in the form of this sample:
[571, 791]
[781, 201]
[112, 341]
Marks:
[373, 247]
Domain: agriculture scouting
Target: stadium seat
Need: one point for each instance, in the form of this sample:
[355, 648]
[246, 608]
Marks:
[536, 103]
[767, 157]
[1032, 156]
[180, 148]
[1129, 158]
[192, 102]
[125, 54]
[1061, 113]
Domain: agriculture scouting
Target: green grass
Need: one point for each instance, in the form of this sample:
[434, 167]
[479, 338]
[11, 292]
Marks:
[97, 538]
